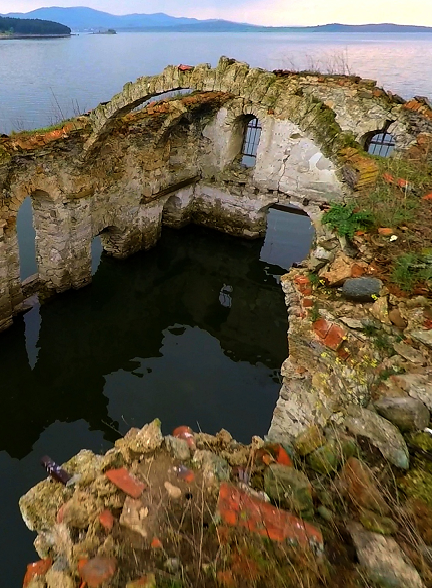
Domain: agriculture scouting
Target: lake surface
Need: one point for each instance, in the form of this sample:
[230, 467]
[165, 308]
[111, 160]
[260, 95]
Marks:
[44, 81]
[192, 332]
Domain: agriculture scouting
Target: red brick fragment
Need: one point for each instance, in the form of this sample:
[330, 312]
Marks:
[271, 453]
[106, 519]
[402, 183]
[385, 231]
[156, 543]
[98, 570]
[427, 196]
[308, 302]
[343, 353]
[236, 508]
[282, 457]
[183, 67]
[357, 271]
[185, 474]
[321, 327]
[81, 564]
[185, 433]
[334, 337]
[303, 285]
[126, 482]
[38, 568]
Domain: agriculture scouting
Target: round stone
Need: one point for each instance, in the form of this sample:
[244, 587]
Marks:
[361, 289]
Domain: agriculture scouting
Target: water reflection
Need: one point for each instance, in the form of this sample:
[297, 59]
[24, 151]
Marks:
[214, 283]
[193, 331]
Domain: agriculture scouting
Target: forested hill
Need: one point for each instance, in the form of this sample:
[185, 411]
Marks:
[21, 26]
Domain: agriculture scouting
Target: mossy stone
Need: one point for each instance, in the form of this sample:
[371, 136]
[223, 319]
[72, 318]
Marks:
[325, 459]
[417, 483]
[309, 440]
[289, 488]
[373, 522]
[325, 513]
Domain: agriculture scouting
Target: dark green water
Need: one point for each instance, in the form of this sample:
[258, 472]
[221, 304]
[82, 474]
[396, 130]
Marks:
[192, 332]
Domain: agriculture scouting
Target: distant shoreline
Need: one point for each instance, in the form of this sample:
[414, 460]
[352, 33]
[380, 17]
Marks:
[258, 30]
[7, 37]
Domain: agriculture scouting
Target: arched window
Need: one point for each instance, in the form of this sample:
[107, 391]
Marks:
[250, 142]
[380, 143]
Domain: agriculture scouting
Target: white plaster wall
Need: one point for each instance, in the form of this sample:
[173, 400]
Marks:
[287, 160]
[290, 162]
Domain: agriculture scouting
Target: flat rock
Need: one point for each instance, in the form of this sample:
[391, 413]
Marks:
[408, 414]
[134, 515]
[383, 560]
[424, 337]
[416, 385]
[397, 319]
[379, 310]
[339, 271]
[381, 433]
[352, 323]
[361, 289]
[409, 353]
[174, 491]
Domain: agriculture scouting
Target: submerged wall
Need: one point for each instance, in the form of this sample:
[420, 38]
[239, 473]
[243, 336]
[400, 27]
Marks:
[121, 174]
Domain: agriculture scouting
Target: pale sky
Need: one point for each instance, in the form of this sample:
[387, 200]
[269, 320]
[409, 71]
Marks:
[265, 12]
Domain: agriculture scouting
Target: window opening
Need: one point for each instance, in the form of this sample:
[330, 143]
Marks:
[381, 144]
[250, 143]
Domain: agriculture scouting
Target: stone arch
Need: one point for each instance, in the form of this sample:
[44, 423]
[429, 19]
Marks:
[51, 246]
[255, 87]
[229, 76]
[44, 217]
